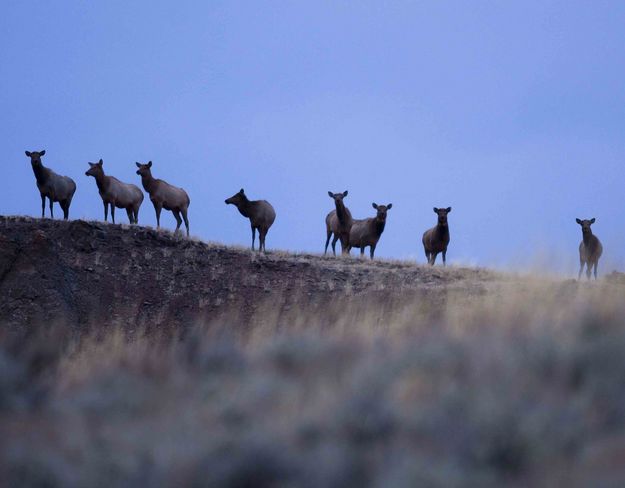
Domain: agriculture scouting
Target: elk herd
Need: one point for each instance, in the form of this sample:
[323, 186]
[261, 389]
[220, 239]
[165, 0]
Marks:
[340, 225]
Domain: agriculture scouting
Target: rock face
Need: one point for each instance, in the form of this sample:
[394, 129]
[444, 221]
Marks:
[85, 273]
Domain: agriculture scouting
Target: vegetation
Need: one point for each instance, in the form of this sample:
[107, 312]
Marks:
[524, 387]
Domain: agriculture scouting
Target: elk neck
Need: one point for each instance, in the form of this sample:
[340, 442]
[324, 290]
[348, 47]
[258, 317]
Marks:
[100, 180]
[41, 175]
[378, 226]
[148, 182]
[340, 211]
[244, 206]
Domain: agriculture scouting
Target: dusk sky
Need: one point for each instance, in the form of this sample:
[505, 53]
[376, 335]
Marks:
[512, 113]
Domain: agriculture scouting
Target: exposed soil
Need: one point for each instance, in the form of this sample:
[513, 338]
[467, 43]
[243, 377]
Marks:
[79, 272]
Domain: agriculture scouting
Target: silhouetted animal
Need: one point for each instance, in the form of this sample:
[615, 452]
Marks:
[260, 213]
[164, 196]
[338, 222]
[590, 249]
[367, 232]
[56, 187]
[436, 239]
[116, 193]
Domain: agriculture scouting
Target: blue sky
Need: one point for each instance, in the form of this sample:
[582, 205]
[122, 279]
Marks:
[513, 113]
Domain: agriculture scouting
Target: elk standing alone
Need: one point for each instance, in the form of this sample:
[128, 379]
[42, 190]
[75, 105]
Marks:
[116, 193]
[436, 239]
[338, 222]
[260, 213]
[367, 232]
[590, 249]
[56, 187]
[164, 196]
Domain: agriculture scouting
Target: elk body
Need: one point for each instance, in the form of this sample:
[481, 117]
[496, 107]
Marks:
[116, 194]
[338, 222]
[367, 232]
[260, 213]
[55, 187]
[164, 196]
[436, 239]
[590, 249]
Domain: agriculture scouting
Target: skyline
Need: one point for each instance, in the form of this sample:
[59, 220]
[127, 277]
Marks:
[514, 118]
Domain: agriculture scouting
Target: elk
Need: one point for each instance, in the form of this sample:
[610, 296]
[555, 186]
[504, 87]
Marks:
[436, 239]
[164, 196]
[590, 249]
[116, 193]
[338, 222]
[56, 187]
[367, 232]
[260, 213]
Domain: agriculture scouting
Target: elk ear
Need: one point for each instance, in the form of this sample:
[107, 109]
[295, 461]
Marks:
[592, 221]
[374, 206]
[100, 163]
[28, 153]
[389, 206]
[330, 194]
[91, 164]
[435, 210]
[345, 193]
[448, 209]
[138, 164]
[42, 152]
[149, 164]
[241, 190]
[578, 221]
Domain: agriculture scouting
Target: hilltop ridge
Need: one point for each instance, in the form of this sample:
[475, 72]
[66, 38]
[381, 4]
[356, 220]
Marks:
[133, 276]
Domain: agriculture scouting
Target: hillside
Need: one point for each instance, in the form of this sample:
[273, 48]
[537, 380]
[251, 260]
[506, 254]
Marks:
[78, 271]
[340, 372]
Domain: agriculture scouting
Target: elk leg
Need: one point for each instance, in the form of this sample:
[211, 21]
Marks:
[178, 220]
[336, 238]
[51, 211]
[445, 258]
[262, 233]
[344, 244]
[588, 269]
[158, 209]
[581, 268]
[362, 251]
[136, 214]
[106, 211]
[113, 212]
[186, 220]
[253, 236]
[371, 251]
[65, 208]
[596, 263]
[433, 258]
[43, 206]
[327, 241]
[129, 214]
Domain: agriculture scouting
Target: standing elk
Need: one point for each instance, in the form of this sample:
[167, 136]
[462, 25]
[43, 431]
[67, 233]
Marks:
[436, 239]
[367, 232]
[260, 213]
[116, 193]
[56, 187]
[338, 222]
[164, 196]
[590, 249]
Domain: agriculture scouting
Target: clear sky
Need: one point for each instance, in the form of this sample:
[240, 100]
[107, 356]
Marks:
[513, 113]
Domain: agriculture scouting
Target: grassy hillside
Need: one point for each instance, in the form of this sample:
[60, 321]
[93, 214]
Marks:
[154, 361]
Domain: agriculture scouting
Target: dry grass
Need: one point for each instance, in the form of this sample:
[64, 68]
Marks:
[521, 385]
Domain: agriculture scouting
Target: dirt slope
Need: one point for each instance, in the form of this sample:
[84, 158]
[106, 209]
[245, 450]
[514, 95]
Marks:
[80, 272]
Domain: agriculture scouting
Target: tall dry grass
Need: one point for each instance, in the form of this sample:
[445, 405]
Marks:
[521, 385]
